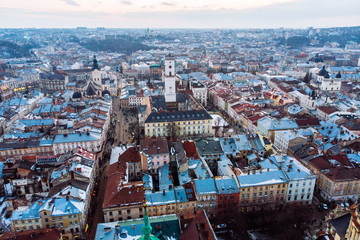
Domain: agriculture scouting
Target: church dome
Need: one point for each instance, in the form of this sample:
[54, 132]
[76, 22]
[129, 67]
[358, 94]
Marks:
[76, 95]
[338, 75]
[326, 75]
[106, 92]
[322, 71]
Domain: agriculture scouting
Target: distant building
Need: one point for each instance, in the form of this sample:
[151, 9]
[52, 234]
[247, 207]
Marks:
[50, 83]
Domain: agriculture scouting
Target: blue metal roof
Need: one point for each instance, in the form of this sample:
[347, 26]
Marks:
[205, 186]
[226, 186]
[76, 137]
[264, 178]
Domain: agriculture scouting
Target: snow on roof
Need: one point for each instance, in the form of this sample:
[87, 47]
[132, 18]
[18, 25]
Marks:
[264, 178]
[205, 186]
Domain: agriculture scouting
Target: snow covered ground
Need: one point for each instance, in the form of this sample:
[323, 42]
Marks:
[218, 121]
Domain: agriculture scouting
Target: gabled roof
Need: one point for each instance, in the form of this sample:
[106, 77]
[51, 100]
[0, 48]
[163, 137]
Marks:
[198, 228]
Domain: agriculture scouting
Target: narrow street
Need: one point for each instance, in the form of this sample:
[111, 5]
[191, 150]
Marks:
[125, 122]
[96, 214]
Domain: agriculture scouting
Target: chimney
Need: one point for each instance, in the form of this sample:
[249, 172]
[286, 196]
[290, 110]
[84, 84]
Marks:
[67, 198]
[40, 203]
[163, 192]
[65, 135]
[268, 169]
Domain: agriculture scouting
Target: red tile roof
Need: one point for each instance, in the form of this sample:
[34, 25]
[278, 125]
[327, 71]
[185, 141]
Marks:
[327, 110]
[38, 234]
[337, 172]
[190, 149]
[198, 228]
[118, 190]
[154, 145]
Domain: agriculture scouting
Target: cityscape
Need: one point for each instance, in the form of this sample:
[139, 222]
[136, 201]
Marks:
[179, 133]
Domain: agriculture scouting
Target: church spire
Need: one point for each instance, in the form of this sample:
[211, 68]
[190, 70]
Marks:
[95, 64]
[146, 229]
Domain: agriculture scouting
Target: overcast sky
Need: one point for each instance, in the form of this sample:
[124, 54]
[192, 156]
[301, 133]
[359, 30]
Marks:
[179, 13]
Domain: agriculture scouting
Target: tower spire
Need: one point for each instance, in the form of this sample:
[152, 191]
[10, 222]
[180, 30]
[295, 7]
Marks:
[146, 229]
[95, 64]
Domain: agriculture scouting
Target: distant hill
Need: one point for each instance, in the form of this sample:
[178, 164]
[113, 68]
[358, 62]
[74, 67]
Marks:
[123, 44]
[13, 50]
[295, 41]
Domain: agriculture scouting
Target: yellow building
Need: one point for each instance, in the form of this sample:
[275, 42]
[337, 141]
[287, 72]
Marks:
[65, 214]
[178, 123]
[353, 232]
[258, 190]
[333, 185]
[29, 148]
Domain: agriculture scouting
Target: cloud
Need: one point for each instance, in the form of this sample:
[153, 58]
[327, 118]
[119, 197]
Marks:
[71, 2]
[297, 14]
[168, 4]
[294, 14]
[126, 2]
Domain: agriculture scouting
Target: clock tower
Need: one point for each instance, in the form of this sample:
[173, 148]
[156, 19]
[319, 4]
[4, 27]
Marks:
[169, 79]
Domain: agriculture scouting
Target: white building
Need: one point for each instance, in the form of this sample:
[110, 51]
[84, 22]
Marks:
[169, 79]
[285, 139]
[67, 142]
[329, 84]
[200, 92]
[301, 181]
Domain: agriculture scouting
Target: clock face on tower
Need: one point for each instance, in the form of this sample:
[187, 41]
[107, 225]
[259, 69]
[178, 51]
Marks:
[169, 66]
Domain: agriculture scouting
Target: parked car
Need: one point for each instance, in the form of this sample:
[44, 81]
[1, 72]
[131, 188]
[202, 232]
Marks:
[325, 207]
[221, 226]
